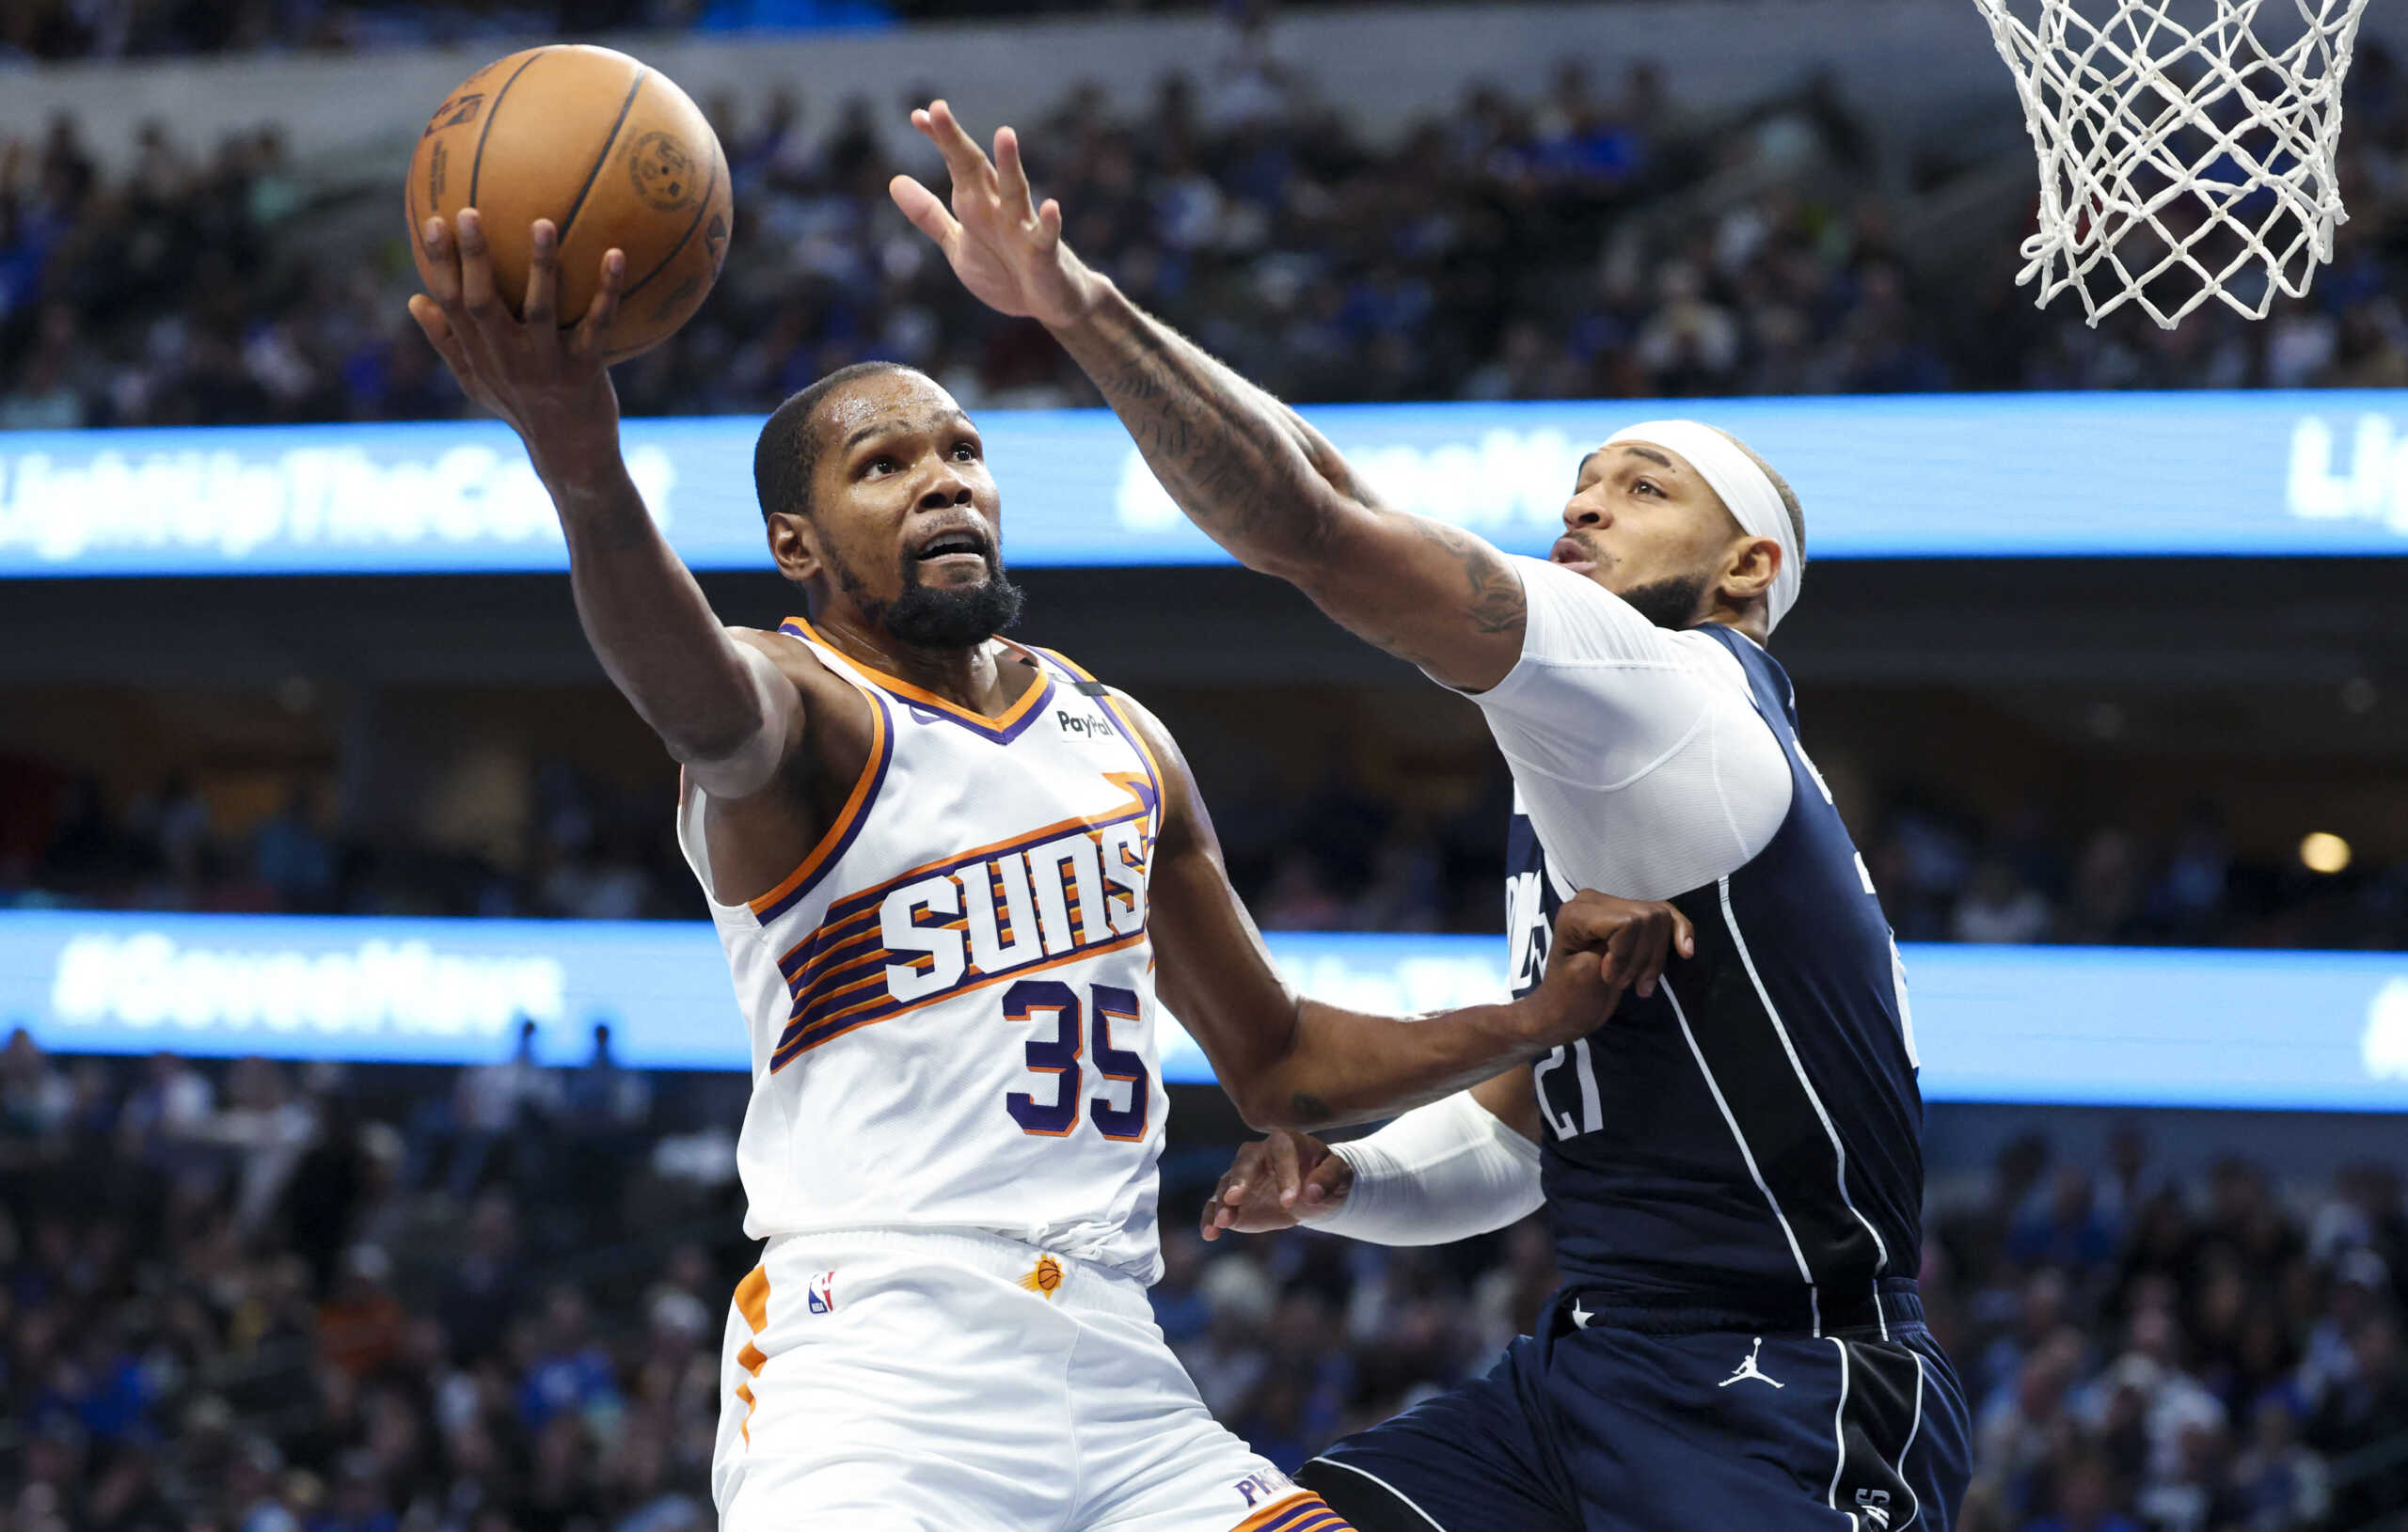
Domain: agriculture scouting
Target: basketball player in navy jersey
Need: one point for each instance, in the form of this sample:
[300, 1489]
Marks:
[1735, 1162]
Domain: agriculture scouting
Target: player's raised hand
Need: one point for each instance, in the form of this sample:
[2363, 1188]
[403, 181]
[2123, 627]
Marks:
[1603, 946]
[1276, 1183]
[1007, 249]
[543, 379]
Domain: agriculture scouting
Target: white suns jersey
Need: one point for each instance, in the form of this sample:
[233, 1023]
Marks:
[951, 1001]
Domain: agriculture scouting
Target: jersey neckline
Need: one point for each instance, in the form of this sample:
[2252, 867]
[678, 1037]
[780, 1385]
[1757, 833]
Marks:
[1003, 728]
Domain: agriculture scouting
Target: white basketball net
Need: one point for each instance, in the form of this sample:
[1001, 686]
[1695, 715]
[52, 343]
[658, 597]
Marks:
[2179, 162]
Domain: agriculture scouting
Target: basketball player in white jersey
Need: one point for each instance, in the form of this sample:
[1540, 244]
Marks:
[950, 873]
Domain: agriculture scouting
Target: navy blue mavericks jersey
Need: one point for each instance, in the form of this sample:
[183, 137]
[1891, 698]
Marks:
[1750, 1138]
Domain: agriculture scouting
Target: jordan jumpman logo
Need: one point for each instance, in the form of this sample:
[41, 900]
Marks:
[1749, 1369]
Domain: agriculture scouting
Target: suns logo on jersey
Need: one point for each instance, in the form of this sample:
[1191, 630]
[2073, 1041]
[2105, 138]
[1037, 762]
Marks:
[1052, 896]
[1045, 1277]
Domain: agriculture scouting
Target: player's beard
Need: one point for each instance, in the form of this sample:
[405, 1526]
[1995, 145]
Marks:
[938, 616]
[1673, 602]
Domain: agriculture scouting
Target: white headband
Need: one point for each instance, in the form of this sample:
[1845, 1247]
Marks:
[1745, 488]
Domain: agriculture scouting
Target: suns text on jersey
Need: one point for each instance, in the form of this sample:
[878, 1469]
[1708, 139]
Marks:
[1038, 900]
[1013, 909]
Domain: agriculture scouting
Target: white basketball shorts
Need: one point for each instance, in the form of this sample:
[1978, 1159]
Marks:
[917, 1381]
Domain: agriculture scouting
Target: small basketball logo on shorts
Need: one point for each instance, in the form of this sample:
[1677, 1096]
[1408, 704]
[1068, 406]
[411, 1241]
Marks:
[1045, 1277]
[820, 1294]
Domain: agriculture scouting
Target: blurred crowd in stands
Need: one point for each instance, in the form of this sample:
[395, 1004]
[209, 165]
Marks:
[49, 31]
[593, 854]
[52, 31]
[247, 1298]
[1336, 857]
[1591, 238]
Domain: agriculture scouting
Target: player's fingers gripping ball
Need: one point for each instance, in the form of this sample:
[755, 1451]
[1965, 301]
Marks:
[606, 149]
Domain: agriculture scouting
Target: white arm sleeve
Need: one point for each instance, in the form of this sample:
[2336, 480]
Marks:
[1446, 1170]
[1637, 752]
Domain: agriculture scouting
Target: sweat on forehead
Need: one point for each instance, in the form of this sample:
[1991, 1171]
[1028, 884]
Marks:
[899, 401]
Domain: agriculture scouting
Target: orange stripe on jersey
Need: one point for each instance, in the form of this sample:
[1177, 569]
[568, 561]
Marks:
[863, 905]
[1127, 782]
[829, 997]
[999, 722]
[848, 822]
[832, 939]
[752, 1303]
[1303, 1511]
[798, 1039]
[995, 848]
[752, 1298]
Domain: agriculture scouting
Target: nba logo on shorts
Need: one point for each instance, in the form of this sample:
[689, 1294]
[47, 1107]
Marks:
[822, 1292]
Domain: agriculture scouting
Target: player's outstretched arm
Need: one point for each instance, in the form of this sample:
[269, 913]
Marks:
[719, 704]
[1245, 468]
[1450, 1169]
[1293, 1062]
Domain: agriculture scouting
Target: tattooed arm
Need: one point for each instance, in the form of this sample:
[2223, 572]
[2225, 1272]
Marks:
[1245, 468]
[1272, 490]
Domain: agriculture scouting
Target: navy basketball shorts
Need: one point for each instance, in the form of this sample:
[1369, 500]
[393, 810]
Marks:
[1590, 1427]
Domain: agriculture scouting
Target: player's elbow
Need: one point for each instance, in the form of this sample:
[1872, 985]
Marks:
[1270, 1088]
[1255, 1092]
[1277, 1102]
[1253, 1098]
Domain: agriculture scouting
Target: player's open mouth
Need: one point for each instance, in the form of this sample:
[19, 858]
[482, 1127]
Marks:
[958, 542]
[1572, 554]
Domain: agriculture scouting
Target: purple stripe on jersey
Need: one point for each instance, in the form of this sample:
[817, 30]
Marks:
[852, 831]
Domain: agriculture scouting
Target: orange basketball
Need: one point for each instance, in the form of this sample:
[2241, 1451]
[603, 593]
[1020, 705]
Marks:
[612, 153]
